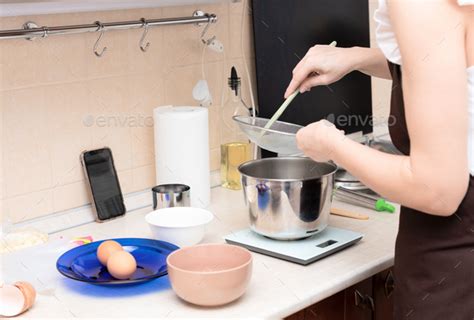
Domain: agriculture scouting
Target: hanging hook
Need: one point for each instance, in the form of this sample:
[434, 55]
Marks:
[144, 46]
[204, 31]
[100, 28]
[45, 32]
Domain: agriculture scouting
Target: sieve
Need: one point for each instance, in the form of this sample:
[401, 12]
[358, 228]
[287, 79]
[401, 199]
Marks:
[280, 138]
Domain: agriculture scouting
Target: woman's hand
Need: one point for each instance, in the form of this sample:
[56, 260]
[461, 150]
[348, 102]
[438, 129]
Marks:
[319, 139]
[325, 64]
[322, 65]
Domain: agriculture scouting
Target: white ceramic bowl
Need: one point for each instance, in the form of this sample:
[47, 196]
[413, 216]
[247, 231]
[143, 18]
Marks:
[182, 226]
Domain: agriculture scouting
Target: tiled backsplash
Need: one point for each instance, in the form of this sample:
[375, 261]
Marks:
[58, 99]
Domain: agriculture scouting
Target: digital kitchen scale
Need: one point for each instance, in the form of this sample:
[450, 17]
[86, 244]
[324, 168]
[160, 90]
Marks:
[304, 251]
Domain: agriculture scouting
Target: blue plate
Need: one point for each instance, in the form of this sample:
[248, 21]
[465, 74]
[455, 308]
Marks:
[81, 263]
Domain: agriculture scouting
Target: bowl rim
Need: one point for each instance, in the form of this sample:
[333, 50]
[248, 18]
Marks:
[247, 163]
[209, 214]
[247, 263]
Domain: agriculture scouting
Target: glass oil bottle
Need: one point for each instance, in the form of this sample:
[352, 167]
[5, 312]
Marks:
[236, 148]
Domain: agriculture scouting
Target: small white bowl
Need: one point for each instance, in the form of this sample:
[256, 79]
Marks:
[182, 226]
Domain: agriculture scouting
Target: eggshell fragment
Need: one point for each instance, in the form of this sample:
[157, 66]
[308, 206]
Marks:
[105, 249]
[121, 265]
[12, 301]
[28, 292]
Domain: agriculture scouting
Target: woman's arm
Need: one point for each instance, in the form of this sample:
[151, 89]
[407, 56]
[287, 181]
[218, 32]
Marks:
[434, 178]
[324, 64]
[371, 61]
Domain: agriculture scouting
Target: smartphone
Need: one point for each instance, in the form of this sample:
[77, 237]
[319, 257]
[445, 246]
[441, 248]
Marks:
[107, 198]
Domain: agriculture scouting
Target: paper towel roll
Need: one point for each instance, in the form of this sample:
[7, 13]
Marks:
[182, 150]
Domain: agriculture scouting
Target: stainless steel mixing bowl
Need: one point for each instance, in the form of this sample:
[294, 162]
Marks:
[289, 197]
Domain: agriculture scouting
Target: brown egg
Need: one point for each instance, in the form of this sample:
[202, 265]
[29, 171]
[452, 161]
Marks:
[121, 265]
[105, 249]
[28, 292]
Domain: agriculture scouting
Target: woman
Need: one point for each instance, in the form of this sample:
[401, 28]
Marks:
[429, 46]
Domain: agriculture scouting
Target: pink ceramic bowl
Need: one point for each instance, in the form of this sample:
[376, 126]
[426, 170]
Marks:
[210, 274]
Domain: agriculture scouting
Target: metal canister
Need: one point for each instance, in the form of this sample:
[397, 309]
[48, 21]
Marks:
[171, 195]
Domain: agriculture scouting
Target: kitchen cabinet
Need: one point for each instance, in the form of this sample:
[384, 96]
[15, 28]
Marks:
[370, 299]
[383, 295]
[328, 309]
[297, 316]
[359, 302]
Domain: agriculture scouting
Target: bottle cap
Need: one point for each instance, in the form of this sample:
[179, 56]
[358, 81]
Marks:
[234, 80]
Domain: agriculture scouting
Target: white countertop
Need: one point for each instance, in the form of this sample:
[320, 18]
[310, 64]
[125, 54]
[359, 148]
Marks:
[278, 288]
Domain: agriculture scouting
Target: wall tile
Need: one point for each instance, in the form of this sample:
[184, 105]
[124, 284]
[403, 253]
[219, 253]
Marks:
[2, 171]
[29, 206]
[70, 196]
[68, 109]
[126, 180]
[110, 104]
[63, 59]
[182, 43]
[241, 34]
[153, 60]
[21, 61]
[51, 60]
[373, 5]
[214, 127]
[180, 81]
[3, 213]
[236, 7]
[114, 60]
[146, 92]
[144, 177]
[381, 89]
[27, 151]
[215, 158]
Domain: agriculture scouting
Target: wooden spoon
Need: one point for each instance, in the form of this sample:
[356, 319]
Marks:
[349, 214]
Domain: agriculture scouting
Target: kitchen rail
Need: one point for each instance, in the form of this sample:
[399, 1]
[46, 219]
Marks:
[31, 30]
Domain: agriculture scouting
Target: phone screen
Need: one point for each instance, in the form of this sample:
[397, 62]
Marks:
[104, 183]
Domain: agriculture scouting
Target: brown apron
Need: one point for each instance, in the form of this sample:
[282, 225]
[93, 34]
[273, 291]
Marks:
[434, 256]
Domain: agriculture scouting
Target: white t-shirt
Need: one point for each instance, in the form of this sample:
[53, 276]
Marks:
[387, 42]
